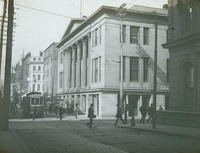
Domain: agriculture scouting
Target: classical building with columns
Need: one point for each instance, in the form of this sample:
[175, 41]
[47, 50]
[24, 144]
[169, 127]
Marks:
[89, 60]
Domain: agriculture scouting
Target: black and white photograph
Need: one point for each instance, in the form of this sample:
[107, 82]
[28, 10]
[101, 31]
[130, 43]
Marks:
[99, 76]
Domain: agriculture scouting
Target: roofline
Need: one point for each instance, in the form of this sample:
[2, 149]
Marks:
[53, 43]
[107, 8]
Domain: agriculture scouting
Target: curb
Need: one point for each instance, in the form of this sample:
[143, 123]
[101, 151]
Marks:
[160, 132]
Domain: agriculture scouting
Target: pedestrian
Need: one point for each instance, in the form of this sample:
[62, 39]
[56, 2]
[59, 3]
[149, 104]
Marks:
[60, 112]
[160, 108]
[76, 111]
[56, 110]
[118, 115]
[150, 113]
[34, 112]
[90, 115]
[143, 110]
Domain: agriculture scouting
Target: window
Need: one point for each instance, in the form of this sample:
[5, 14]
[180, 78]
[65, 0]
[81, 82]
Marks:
[34, 68]
[95, 69]
[34, 59]
[145, 69]
[33, 87]
[39, 77]
[37, 101]
[32, 101]
[134, 34]
[38, 87]
[34, 78]
[134, 68]
[39, 59]
[61, 80]
[39, 68]
[146, 36]
[124, 33]
[95, 37]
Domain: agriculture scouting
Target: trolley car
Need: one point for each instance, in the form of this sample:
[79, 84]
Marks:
[31, 101]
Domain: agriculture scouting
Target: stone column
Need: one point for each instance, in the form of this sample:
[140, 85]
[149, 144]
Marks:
[73, 68]
[89, 60]
[69, 68]
[78, 65]
[84, 65]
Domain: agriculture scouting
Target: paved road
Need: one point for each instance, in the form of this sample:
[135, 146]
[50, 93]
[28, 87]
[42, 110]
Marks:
[76, 137]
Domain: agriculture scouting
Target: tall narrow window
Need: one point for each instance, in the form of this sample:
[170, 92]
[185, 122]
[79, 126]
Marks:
[145, 69]
[134, 68]
[96, 37]
[39, 77]
[34, 68]
[124, 33]
[134, 34]
[146, 36]
[39, 68]
[95, 69]
[38, 87]
[61, 58]
[61, 80]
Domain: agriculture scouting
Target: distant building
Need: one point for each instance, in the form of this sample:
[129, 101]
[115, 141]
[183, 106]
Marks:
[29, 74]
[50, 71]
[89, 60]
[184, 65]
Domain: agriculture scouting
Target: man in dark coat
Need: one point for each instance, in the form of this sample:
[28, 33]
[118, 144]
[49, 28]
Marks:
[118, 115]
[34, 112]
[90, 115]
[60, 112]
[150, 113]
[143, 111]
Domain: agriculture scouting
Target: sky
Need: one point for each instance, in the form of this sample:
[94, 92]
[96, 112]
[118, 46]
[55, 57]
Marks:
[36, 30]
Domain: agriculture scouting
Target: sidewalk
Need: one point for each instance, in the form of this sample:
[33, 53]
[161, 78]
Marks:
[188, 132]
[10, 143]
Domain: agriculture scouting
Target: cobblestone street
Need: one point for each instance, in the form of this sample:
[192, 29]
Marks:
[76, 137]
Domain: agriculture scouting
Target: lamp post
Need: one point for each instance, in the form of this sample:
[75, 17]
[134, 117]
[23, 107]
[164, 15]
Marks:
[121, 14]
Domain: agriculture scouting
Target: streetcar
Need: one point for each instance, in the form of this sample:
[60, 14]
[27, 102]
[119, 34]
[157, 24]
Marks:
[33, 101]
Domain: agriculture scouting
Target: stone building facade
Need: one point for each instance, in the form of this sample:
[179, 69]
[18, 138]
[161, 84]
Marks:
[89, 60]
[50, 71]
[184, 43]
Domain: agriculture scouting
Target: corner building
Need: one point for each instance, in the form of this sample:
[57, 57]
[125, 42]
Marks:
[89, 60]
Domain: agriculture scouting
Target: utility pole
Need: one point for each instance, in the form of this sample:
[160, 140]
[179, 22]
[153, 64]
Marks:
[121, 14]
[6, 100]
[2, 32]
[80, 8]
[155, 79]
